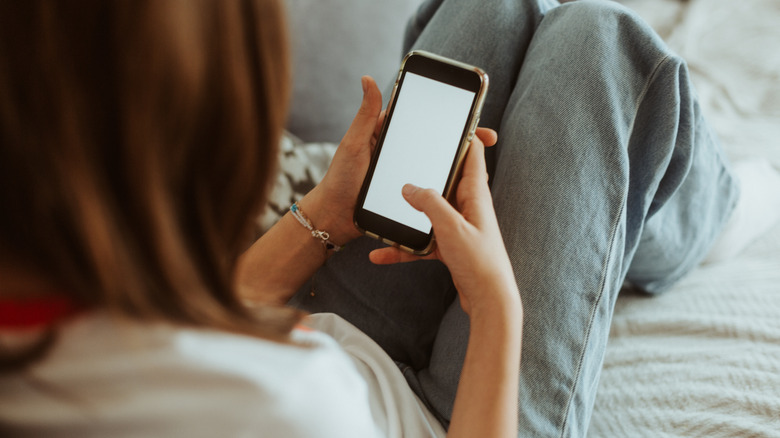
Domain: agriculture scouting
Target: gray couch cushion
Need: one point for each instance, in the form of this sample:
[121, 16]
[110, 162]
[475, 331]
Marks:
[334, 43]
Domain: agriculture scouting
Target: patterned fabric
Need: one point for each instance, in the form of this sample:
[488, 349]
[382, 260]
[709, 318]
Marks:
[301, 167]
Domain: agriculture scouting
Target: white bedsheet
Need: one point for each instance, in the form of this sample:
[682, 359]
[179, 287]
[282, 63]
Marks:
[700, 360]
[704, 358]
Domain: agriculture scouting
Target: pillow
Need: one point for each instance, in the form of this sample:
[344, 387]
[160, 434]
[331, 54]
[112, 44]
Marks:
[757, 210]
[301, 167]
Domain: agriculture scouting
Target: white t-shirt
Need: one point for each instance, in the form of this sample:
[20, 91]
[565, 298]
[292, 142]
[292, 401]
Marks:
[107, 377]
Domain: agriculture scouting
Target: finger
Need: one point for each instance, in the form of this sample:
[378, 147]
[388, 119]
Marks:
[488, 136]
[475, 166]
[473, 195]
[442, 215]
[390, 255]
[385, 256]
[364, 123]
[379, 121]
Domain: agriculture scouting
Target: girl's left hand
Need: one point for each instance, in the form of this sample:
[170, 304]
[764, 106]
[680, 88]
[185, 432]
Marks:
[331, 204]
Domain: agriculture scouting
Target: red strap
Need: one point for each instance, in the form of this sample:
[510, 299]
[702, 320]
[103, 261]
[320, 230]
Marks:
[34, 312]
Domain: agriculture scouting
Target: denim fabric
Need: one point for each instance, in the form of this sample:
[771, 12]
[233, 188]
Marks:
[604, 172]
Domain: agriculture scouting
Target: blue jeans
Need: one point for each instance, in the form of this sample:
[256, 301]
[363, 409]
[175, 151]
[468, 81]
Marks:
[605, 172]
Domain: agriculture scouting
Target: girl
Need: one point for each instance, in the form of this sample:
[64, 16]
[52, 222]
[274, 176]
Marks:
[138, 139]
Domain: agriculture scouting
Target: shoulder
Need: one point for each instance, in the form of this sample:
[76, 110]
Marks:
[184, 382]
[309, 388]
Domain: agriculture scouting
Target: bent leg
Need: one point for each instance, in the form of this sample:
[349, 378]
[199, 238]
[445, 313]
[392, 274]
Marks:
[601, 136]
[400, 307]
[598, 134]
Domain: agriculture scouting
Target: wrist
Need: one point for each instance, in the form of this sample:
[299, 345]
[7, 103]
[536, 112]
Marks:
[329, 218]
[506, 305]
[504, 301]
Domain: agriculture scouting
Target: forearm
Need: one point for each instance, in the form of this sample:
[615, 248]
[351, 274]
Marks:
[486, 401]
[276, 266]
[281, 261]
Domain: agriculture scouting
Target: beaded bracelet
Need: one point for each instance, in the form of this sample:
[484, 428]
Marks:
[322, 236]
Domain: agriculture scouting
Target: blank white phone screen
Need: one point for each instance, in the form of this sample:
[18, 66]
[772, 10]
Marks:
[419, 146]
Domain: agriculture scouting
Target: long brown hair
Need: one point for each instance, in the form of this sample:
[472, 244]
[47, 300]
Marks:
[137, 139]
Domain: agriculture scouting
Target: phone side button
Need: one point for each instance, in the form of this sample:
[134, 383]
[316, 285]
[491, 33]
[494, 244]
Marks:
[473, 129]
[390, 242]
[372, 235]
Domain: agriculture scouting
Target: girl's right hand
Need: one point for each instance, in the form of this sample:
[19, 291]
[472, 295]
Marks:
[468, 240]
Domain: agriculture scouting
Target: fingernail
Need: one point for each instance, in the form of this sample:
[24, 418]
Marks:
[409, 189]
[364, 83]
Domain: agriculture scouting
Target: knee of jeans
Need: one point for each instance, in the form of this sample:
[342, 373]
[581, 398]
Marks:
[599, 53]
[602, 23]
[590, 13]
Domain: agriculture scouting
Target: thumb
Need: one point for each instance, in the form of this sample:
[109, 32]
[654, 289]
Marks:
[364, 123]
[441, 214]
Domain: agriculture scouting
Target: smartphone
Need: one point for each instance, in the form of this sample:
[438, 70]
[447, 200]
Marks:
[430, 120]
